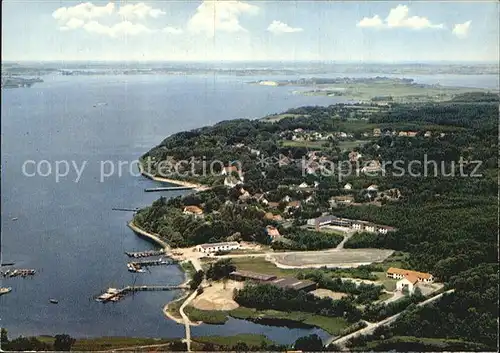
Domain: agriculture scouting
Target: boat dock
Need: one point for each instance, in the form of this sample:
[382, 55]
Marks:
[114, 294]
[169, 188]
[146, 253]
[22, 272]
[138, 266]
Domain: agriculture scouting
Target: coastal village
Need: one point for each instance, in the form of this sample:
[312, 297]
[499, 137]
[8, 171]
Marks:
[304, 229]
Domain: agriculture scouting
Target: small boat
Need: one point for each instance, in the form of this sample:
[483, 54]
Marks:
[53, 301]
[4, 290]
[15, 219]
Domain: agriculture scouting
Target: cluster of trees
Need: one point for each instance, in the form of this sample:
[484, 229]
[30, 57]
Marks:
[299, 239]
[221, 269]
[62, 342]
[267, 296]
[360, 294]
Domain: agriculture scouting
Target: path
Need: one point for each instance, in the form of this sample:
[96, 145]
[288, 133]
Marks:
[187, 322]
[372, 326]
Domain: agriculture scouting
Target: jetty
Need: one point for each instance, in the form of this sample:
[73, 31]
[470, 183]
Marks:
[146, 253]
[114, 294]
[20, 272]
[169, 188]
[138, 266]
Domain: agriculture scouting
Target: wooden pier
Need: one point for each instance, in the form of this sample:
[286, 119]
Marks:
[169, 188]
[20, 272]
[114, 295]
[146, 253]
[137, 266]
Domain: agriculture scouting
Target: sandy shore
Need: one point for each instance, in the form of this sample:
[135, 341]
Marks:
[197, 187]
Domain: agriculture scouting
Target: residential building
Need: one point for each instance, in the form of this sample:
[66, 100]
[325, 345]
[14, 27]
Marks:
[273, 232]
[377, 132]
[294, 283]
[372, 187]
[193, 210]
[399, 273]
[303, 186]
[428, 134]
[408, 282]
[215, 247]
[348, 186]
[231, 181]
[252, 276]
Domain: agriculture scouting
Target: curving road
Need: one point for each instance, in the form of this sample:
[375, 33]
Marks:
[372, 326]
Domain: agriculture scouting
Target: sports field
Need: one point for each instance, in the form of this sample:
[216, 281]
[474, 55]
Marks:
[332, 258]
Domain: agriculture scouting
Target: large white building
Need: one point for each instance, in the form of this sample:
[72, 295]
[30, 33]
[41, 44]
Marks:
[215, 247]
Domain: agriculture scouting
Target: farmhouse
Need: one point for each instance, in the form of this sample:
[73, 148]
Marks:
[193, 210]
[399, 273]
[215, 247]
[409, 282]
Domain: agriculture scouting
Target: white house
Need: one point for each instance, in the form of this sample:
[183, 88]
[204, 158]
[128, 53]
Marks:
[370, 228]
[303, 185]
[215, 247]
[372, 187]
[231, 181]
[409, 282]
[348, 186]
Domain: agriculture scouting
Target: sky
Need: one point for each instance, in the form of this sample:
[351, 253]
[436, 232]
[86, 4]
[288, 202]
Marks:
[391, 31]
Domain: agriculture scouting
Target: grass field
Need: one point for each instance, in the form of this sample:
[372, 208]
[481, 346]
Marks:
[108, 343]
[213, 317]
[336, 258]
[350, 144]
[260, 265]
[389, 283]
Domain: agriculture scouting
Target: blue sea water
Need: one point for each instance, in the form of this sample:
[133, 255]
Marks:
[67, 230]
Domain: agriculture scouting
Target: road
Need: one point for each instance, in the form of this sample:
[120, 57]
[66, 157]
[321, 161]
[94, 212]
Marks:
[187, 322]
[372, 326]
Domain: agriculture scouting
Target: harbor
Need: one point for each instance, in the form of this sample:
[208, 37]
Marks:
[115, 294]
[139, 266]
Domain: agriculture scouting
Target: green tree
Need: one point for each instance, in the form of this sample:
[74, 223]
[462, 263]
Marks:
[311, 343]
[3, 336]
[63, 342]
[240, 347]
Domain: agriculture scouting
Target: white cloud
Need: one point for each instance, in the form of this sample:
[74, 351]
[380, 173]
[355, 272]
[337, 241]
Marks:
[398, 18]
[73, 23]
[212, 16]
[123, 28]
[172, 30]
[139, 10]
[374, 21]
[83, 11]
[278, 27]
[461, 30]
